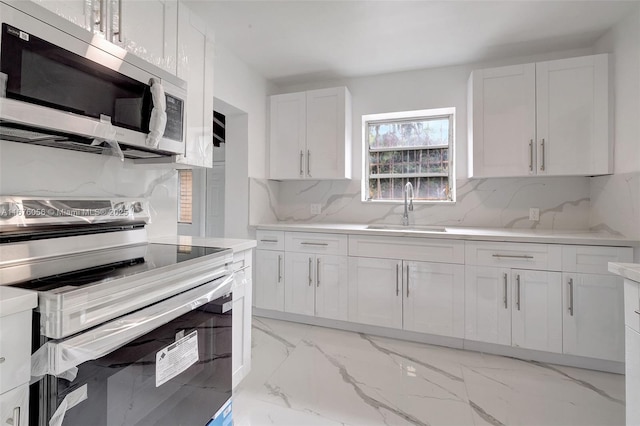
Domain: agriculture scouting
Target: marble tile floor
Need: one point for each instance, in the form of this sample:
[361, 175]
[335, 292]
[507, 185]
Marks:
[305, 375]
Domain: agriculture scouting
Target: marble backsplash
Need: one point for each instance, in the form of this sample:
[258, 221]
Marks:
[564, 203]
[615, 204]
[43, 171]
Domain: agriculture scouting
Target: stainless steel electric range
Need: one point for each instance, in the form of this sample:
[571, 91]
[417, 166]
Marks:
[126, 332]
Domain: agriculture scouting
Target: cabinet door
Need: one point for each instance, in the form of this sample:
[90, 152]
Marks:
[287, 136]
[573, 116]
[241, 330]
[269, 280]
[77, 11]
[503, 102]
[433, 298]
[326, 135]
[488, 304]
[332, 293]
[375, 291]
[14, 406]
[632, 373]
[154, 41]
[197, 70]
[299, 292]
[537, 310]
[593, 317]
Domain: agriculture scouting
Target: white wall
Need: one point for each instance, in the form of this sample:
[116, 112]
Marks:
[563, 202]
[615, 199]
[245, 91]
[43, 171]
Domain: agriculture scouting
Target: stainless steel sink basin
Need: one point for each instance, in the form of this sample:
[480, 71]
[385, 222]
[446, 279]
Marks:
[409, 228]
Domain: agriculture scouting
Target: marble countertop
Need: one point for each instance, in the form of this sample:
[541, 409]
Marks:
[549, 236]
[13, 300]
[630, 271]
[234, 244]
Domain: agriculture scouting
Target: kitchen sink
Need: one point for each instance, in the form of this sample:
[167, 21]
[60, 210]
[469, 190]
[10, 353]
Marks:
[410, 228]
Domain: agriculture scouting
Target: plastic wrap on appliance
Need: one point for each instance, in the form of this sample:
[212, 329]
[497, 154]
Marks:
[106, 133]
[71, 400]
[22, 211]
[158, 120]
[58, 356]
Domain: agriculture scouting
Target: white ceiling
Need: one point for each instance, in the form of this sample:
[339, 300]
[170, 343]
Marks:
[299, 41]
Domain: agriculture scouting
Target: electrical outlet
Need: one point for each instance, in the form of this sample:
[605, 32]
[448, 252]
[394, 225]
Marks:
[316, 208]
[534, 214]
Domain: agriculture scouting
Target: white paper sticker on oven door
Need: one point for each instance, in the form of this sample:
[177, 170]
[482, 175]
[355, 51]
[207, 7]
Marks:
[176, 358]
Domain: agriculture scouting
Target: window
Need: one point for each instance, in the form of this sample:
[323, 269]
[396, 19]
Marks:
[413, 146]
[185, 199]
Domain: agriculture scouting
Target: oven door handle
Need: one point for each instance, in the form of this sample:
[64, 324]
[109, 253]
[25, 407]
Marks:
[58, 356]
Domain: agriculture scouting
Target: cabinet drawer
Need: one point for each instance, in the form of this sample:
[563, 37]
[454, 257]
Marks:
[514, 255]
[15, 350]
[632, 304]
[309, 242]
[420, 249]
[270, 240]
[593, 259]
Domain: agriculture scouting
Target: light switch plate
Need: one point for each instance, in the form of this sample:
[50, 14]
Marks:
[316, 208]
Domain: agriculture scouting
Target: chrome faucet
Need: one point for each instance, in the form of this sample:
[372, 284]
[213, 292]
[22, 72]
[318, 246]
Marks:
[407, 206]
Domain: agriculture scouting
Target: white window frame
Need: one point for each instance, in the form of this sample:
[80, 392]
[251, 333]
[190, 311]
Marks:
[409, 115]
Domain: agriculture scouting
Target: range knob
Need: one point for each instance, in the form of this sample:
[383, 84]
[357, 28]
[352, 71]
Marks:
[137, 207]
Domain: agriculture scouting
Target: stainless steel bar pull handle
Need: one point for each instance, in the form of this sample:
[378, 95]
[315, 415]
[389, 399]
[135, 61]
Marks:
[513, 256]
[504, 299]
[279, 267]
[531, 155]
[397, 280]
[304, 243]
[518, 291]
[310, 266]
[571, 296]
[308, 163]
[637, 312]
[542, 160]
[407, 281]
[318, 272]
[119, 32]
[101, 17]
[301, 158]
[16, 416]
[268, 241]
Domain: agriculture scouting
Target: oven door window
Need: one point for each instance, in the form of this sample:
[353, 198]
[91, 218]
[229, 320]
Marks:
[123, 388]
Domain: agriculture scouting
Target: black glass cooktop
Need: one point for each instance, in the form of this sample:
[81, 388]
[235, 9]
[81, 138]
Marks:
[136, 260]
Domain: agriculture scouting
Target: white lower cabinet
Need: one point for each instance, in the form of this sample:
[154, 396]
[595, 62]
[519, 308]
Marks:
[488, 304]
[375, 291]
[316, 285]
[241, 319]
[14, 406]
[632, 379]
[593, 321]
[536, 310]
[269, 288]
[433, 300]
[415, 296]
[516, 307]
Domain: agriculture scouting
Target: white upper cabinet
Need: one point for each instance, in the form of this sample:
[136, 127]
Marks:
[310, 135]
[145, 28]
[549, 118]
[196, 67]
[148, 29]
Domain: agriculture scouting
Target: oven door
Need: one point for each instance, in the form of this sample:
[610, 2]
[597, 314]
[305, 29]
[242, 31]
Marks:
[178, 373]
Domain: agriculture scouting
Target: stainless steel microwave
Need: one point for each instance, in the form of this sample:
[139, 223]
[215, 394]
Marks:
[75, 90]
